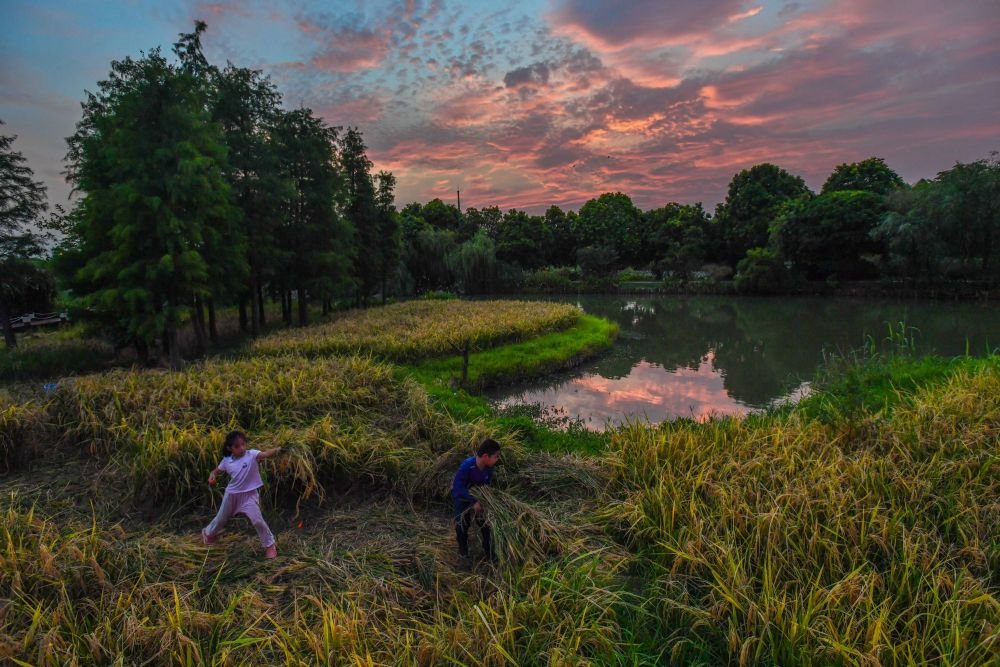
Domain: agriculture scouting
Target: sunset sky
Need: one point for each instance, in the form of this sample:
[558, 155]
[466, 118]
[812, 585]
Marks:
[553, 102]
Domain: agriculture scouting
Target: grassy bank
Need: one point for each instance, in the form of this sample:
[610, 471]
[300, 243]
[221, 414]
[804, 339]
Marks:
[858, 528]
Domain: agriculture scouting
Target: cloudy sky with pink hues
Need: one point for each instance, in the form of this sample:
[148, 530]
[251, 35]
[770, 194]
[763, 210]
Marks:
[540, 102]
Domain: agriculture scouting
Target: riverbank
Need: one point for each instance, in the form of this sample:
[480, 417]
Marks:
[874, 289]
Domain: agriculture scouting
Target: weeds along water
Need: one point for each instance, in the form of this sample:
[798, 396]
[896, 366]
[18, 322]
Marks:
[840, 531]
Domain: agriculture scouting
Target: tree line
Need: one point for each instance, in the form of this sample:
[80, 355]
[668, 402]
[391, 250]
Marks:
[770, 230]
[198, 190]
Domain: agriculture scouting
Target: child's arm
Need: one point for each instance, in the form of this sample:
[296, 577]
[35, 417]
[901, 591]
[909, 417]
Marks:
[211, 475]
[271, 452]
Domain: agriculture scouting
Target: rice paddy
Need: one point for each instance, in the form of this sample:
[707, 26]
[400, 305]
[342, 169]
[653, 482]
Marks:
[813, 536]
[418, 329]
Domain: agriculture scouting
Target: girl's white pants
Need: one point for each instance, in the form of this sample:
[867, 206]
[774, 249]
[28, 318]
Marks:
[247, 503]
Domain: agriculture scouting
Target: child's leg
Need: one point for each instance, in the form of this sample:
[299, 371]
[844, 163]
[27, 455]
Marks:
[487, 533]
[226, 510]
[463, 519]
[250, 506]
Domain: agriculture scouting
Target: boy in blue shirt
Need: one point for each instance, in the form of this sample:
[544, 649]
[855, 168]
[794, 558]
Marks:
[475, 471]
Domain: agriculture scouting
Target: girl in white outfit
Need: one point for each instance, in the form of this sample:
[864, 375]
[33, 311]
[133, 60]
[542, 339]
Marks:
[243, 491]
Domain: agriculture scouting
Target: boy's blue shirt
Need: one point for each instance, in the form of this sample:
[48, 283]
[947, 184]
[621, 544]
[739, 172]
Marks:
[469, 475]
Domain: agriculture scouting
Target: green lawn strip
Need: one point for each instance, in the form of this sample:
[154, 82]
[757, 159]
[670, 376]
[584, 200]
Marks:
[512, 363]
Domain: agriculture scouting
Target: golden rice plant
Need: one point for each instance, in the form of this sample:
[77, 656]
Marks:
[345, 422]
[417, 329]
[782, 540]
[20, 426]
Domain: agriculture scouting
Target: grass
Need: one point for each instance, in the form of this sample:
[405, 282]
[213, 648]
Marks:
[511, 363]
[858, 528]
[52, 355]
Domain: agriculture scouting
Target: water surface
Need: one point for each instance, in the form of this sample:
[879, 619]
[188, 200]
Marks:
[695, 357]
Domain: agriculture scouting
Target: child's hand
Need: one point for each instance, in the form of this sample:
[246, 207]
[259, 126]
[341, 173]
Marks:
[211, 477]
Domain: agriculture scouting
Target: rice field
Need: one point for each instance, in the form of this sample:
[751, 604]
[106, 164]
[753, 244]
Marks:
[418, 329]
[868, 536]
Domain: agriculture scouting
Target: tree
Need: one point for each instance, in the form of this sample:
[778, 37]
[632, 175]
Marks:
[389, 229]
[596, 261]
[561, 241]
[474, 264]
[425, 255]
[871, 175]
[966, 199]
[911, 235]
[828, 234]
[521, 240]
[246, 106]
[439, 215]
[22, 202]
[362, 211]
[754, 198]
[676, 238]
[316, 239]
[762, 271]
[150, 164]
[486, 220]
[611, 219]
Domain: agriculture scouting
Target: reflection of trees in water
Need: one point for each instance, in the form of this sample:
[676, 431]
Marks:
[765, 347]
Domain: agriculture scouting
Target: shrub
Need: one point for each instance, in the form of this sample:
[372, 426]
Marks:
[762, 271]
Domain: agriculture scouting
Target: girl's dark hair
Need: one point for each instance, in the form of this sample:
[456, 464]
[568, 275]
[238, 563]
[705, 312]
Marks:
[488, 446]
[231, 438]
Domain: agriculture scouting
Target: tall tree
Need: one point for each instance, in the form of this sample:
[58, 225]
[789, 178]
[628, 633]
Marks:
[828, 234]
[966, 199]
[521, 240]
[390, 239]
[676, 238]
[362, 211]
[317, 242]
[149, 163]
[561, 241]
[610, 220]
[22, 203]
[246, 105]
[871, 175]
[753, 201]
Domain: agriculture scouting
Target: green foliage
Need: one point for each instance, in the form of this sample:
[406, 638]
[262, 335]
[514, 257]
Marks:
[828, 234]
[911, 234]
[521, 240]
[871, 175]
[596, 261]
[762, 271]
[439, 295]
[22, 202]
[676, 239]
[611, 220]
[48, 358]
[146, 243]
[753, 201]
[316, 240]
[553, 279]
[363, 213]
[474, 265]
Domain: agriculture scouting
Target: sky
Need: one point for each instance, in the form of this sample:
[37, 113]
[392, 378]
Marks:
[531, 103]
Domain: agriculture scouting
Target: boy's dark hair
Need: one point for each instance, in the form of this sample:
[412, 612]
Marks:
[488, 446]
[231, 438]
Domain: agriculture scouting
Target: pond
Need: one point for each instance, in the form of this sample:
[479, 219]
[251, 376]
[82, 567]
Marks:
[697, 357]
